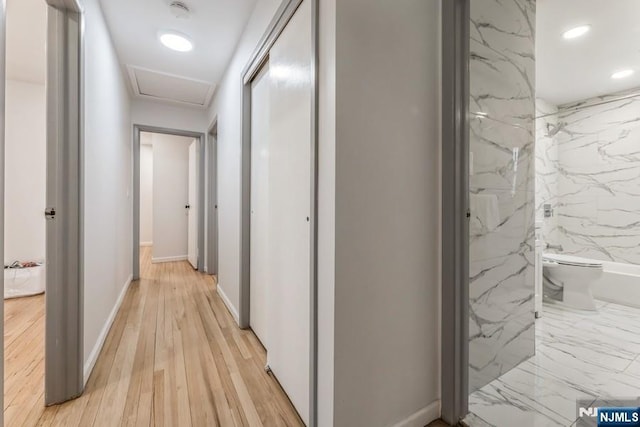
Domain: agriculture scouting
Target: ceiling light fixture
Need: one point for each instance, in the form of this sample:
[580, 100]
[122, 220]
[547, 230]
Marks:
[176, 41]
[621, 74]
[576, 32]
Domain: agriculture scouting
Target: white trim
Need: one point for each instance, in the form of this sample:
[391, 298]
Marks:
[227, 302]
[146, 244]
[423, 417]
[169, 259]
[93, 357]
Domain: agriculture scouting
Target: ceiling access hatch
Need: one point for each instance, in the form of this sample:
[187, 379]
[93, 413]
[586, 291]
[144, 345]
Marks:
[159, 86]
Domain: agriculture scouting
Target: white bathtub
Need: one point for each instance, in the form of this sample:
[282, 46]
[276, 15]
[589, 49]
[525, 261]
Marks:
[22, 282]
[620, 283]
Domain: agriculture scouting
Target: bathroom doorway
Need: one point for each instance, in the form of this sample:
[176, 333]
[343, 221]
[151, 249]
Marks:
[546, 318]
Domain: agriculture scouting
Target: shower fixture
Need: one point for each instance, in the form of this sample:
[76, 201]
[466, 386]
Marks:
[553, 130]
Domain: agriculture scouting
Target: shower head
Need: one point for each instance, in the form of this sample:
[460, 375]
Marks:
[553, 130]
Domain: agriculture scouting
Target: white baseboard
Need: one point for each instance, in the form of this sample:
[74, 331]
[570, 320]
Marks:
[227, 302]
[423, 417]
[146, 243]
[97, 348]
[169, 259]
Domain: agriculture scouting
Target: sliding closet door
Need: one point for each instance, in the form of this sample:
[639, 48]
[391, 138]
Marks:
[290, 208]
[501, 199]
[259, 205]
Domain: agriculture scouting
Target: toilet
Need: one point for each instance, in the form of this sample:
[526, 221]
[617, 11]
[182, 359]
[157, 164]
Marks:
[576, 276]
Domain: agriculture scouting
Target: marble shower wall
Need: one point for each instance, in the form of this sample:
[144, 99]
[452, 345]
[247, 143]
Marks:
[502, 112]
[546, 151]
[598, 179]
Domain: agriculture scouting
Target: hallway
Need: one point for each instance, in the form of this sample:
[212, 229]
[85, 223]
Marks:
[174, 357]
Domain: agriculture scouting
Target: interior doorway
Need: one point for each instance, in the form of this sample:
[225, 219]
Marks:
[24, 201]
[42, 212]
[169, 203]
[168, 189]
[542, 242]
[45, 234]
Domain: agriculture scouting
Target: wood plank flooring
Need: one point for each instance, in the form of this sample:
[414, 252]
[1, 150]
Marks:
[24, 359]
[174, 357]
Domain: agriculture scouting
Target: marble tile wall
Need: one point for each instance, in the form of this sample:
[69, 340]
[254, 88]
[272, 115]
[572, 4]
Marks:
[546, 175]
[502, 110]
[597, 179]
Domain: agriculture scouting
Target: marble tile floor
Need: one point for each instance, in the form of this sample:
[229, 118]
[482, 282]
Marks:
[579, 355]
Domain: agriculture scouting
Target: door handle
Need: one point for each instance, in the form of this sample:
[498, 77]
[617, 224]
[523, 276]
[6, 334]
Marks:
[50, 213]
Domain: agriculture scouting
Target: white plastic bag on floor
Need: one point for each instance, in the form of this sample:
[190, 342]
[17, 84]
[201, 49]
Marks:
[22, 282]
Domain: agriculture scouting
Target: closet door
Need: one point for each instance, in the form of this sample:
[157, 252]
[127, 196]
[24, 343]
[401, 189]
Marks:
[259, 204]
[290, 208]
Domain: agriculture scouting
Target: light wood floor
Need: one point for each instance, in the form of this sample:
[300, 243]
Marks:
[174, 357]
[23, 359]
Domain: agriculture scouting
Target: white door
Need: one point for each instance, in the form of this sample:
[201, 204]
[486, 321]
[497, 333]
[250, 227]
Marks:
[259, 204]
[192, 206]
[290, 205]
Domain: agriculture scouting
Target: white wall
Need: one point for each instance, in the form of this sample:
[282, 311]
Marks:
[386, 331]
[170, 116]
[170, 195]
[25, 173]
[146, 195]
[227, 106]
[108, 230]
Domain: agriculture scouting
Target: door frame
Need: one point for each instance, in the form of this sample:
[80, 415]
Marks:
[212, 198]
[281, 18]
[455, 208]
[64, 330]
[137, 129]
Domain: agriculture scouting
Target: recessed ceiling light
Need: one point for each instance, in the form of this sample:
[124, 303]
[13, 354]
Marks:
[576, 32]
[176, 41]
[621, 74]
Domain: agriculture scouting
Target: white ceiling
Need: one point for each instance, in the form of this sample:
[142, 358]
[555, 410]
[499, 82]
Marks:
[26, 39]
[566, 70]
[214, 26]
[574, 70]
